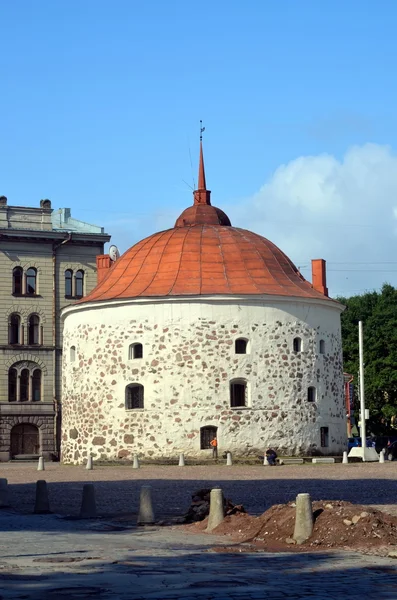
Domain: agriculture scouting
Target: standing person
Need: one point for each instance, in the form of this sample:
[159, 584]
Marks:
[271, 456]
[214, 446]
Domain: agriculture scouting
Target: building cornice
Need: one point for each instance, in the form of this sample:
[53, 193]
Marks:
[32, 235]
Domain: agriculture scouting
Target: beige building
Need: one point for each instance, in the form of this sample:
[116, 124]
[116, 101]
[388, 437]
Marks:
[47, 261]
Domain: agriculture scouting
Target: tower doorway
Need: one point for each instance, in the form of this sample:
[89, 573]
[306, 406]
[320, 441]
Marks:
[25, 439]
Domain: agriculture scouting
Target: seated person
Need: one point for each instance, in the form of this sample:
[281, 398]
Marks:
[271, 456]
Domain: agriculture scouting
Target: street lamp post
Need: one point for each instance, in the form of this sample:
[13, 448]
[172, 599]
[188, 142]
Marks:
[362, 396]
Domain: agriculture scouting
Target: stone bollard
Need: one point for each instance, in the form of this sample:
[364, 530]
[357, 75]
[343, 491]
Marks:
[217, 509]
[4, 493]
[345, 460]
[146, 514]
[265, 461]
[40, 466]
[90, 463]
[135, 464]
[229, 461]
[88, 504]
[42, 503]
[181, 460]
[303, 518]
[381, 457]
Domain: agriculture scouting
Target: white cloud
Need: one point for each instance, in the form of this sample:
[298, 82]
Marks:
[344, 211]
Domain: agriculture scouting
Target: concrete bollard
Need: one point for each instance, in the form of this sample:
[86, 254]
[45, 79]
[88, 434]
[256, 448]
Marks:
[229, 461]
[135, 464]
[40, 466]
[303, 518]
[345, 460]
[265, 461]
[146, 514]
[381, 457]
[42, 503]
[4, 493]
[90, 463]
[88, 504]
[181, 460]
[217, 509]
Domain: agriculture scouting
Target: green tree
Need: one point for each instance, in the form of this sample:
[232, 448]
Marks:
[378, 312]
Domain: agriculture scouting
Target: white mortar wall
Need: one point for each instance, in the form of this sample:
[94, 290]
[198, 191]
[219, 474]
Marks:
[188, 362]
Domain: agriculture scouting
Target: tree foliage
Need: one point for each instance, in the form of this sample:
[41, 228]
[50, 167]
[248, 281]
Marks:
[378, 312]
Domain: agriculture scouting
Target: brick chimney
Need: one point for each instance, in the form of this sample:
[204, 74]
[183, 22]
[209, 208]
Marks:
[319, 276]
[103, 264]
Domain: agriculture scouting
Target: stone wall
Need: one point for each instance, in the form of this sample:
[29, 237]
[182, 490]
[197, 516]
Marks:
[188, 363]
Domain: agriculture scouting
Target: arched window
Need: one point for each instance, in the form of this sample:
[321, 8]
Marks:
[17, 275]
[68, 283]
[297, 344]
[134, 396]
[322, 347]
[72, 353]
[14, 329]
[36, 385]
[311, 394]
[238, 393]
[135, 351]
[240, 346]
[34, 330]
[31, 281]
[79, 284]
[24, 386]
[12, 385]
[207, 434]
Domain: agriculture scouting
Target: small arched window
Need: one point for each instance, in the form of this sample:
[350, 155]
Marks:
[238, 393]
[207, 434]
[34, 330]
[68, 283]
[311, 394]
[36, 385]
[14, 329]
[134, 396]
[297, 344]
[31, 281]
[12, 385]
[72, 353]
[17, 277]
[24, 385]
[79, 284]
[240, 346]
[322, 347]
[135, 351]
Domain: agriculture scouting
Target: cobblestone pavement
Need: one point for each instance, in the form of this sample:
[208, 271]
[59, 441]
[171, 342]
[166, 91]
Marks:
[55, 558]
[256, 487]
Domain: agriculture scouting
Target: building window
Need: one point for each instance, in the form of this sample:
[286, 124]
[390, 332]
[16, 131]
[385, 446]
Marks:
[240, 346]
[12, 385]
[24, 386]
[31, 281]
[14, 329]
[207, 434]
[322, 347]
[134, 396]
[238, 393]
[68, 283]
[34, 330]
[17, 278]
[79, 284]
[311, 394]
[324, 437]
[36, 385]
[72, 353]
[297, 344]
[135, 351]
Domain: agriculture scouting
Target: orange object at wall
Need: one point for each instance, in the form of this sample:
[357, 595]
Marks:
[319, 276]
[103, 264]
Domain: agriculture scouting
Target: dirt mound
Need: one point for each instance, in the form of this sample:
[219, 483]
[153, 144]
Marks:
[338, 525]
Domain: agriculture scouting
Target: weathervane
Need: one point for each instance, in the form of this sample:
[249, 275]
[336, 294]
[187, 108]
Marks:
[201, 130]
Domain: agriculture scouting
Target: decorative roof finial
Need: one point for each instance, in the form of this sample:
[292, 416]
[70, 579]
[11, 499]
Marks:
[201, 195]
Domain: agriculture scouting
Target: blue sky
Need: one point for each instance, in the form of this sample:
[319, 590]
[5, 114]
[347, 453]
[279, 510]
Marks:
[101, 102]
